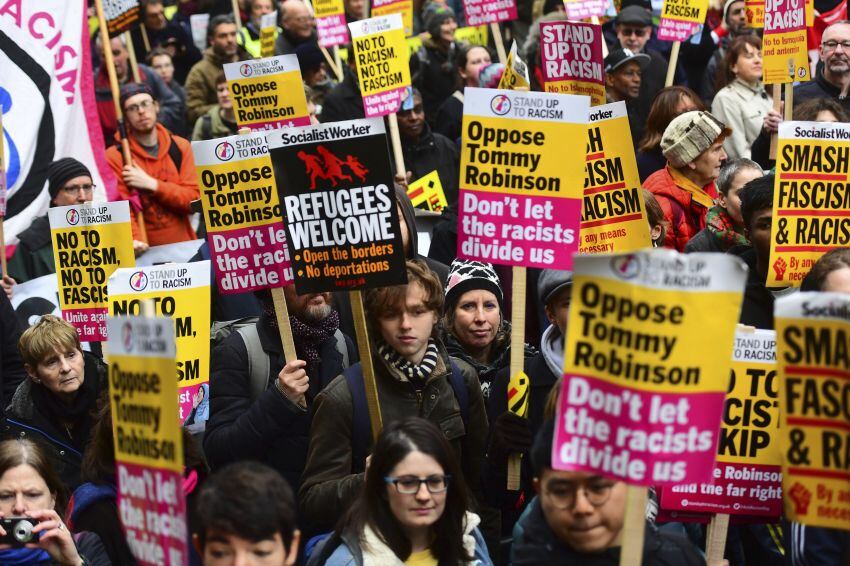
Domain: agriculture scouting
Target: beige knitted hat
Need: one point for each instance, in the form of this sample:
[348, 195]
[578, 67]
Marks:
[689, 134]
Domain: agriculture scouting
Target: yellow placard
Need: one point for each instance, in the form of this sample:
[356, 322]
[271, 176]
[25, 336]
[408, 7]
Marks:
[382, 63]
[755, 13]
[613, 211]
[403, 7]
[268, 34]
[813, 355]
[786, 56]
[267, 93]
[811, 199]
[427, 192]
[90, 241]
[515, 76]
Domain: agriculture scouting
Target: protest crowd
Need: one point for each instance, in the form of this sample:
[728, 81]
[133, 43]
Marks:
[441, 282]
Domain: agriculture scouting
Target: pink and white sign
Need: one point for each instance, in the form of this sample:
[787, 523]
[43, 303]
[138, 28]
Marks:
[330, 22]
[479, 12]
[585, 9]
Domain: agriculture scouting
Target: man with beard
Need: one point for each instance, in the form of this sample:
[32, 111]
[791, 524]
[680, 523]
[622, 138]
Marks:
[833, 77]
[160, 180]
[260, 405]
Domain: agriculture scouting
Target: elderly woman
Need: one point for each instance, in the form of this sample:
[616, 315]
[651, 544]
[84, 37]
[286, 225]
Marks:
[56, 404]
[474, 327]
[30, 489]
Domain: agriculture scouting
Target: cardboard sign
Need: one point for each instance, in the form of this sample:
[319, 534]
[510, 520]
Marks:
[585, 9]
[148, 440]
[479, 12]
[811, 201]
[243, 215]
[382, 63]
[520, 198]
[90, 241]
[330, 22]
[268, 33]
[813, 355]
[516, 72]
[403, 7]
[199, 24]
[680, 19]
[613, 213]
[747, 479]
[267, 93]
[341, 212]
[427, 192]
[754, 10]
[786, 57]
[179, 291]
[572, 62]
[642, 395]
[120, 15]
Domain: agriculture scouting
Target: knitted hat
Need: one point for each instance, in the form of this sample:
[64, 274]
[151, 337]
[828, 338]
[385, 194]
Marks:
[61, 171]
[466, 275]
[726, 7]
[490, 75]
[550, 283]
[434, 16]
[689, 134]
[132, 89]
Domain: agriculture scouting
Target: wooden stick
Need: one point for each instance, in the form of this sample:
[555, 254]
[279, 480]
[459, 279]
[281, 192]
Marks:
[236, 15]
[777, 106]
[595, 20]
[395, 139]
[517, 356]
[366, 363]
[715, 543]
[338, 62]
[789, 102]
[3, 268]
[336, 69]
[131, 51]
[500, 43]
[671, 67]
[145, 40]
[282, 314]
[631, 552]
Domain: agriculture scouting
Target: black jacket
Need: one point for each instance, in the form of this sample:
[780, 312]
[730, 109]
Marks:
[535, 543]
[757, 308]
[27, 419]
[433, 151]
[344, 101]
[449, 120]
[11, 366]
[271, 429]
[703, 241]
[33, 255]
[432, 71]
[820, 88]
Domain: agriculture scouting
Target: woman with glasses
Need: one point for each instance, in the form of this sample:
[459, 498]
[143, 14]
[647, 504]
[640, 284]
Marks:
[412, 508]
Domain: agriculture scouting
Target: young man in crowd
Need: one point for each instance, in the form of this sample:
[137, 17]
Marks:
[161, 181]
[693, 147]
[623, 71]
[578, 518]
[220, 120]
[269, 421]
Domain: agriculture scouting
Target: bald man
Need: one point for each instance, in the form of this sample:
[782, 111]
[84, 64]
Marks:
[298, 27]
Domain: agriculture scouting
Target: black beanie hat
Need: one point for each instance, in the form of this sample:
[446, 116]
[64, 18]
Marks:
[467, 275]
[61, 171]
[132, 89]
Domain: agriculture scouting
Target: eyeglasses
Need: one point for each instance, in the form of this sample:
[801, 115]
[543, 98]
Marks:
[134, 108]
[74, 190]
[637, 32]
[833, 45]
[408, 485]
[563, 495]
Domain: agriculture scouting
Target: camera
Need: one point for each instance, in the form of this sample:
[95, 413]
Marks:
[18, 530]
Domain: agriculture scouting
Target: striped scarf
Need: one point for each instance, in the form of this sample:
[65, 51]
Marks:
[413, 373]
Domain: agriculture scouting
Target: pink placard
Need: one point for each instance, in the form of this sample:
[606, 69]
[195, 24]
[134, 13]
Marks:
[640, 437]
[571, 51]
[675, 30]
[267, 126]
[247, 259]
[585, 9]
[153, 513]
[90, 323]
[518, 230]
[480, 12]
[383, 103]
[332, 30]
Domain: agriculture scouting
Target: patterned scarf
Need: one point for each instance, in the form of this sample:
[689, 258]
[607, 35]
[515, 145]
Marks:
[721, 225]
[309, 336]
[416, 374]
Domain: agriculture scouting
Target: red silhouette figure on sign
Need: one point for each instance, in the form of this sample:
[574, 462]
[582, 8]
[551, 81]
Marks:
[314, 167]
[356, 167]
[333, 166]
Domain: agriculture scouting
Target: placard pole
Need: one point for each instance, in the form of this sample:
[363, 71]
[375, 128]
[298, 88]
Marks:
[131, 53]
[631, 551]
[237, 17]
[715, 543]
[365, 351]
[518, 292]
[777, 106]
[500, 43]
[671, 66]
[395, 139]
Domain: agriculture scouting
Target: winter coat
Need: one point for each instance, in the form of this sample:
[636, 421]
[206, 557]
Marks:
[820, 88]
[211, 125]
[93, 507]
[285, 44]
[344, 101]
[684, 204]
[332, 480]
[369, 550]
[27, 419]
[757, 308]
[11, 365]
[171, 110]
[33, 255]
[166, 210]
[649, 162]
[89, 547]
[200, 83]
[432, 71]
[743, 109]
[271, 428]
[535, 543]
[186, 52]
[449, 118]
[433, 152]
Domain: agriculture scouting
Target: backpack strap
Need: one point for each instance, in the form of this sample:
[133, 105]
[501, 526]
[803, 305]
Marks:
[342, 347]
[206, 127]
[361, 428]
[461, 392]
[258, 360]
[175, 154]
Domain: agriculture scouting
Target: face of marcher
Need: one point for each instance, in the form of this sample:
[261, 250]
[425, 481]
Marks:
[826, 116]
[420, 510]
[78, 190]
[155, 17]
[447, 30]
[685, 104]
[259, 9]
[120, 57]
[22, 491]
[222, 94]
[584, 511]
[748, 66]
[297, 20]
[625, 81]
[141, 111]
[759, 233]
[477, 318]
[707, 164]
[311, 308]
[224, 40]
[633, 36]
[62, 371]
[225, 549]
[354, 7]
[476, 59]
[731, 201]
[836, 57]
[164, 67]
[407, 327]
[837, 281]
[558, 309]
[736, 16]
[412, 122]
